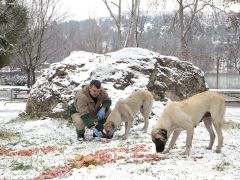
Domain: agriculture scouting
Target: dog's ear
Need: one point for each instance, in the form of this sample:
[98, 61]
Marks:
[163, 132]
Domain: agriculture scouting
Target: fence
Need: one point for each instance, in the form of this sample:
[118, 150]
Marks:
[13, 92]
[230, 95]
[225, 81]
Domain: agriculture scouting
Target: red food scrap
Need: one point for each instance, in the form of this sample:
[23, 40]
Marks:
[3, 151]
[28, 152]
[148, 157]
[48, 149]
[54, 172]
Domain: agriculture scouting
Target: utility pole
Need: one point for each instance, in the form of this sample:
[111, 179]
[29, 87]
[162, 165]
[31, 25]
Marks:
[218, 59]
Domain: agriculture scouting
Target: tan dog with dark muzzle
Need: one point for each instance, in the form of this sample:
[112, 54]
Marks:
[186, 115]
[125, 109]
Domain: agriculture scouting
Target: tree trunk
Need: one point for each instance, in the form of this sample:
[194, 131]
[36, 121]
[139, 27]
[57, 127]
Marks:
[119, 25]
[33, 76]
[28, 78]
[132, 42]
[183, 45]
[119, 38]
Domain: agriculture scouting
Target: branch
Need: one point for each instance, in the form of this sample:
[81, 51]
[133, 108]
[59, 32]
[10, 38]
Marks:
[110, 11]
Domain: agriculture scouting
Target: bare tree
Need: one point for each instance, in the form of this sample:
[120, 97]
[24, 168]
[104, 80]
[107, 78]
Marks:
[117, 19]
[33, 47]
[233, 42]
[130, 35]
[186, 15]
[142, 16]
[131, 39]
[93, 38]
[135, 24]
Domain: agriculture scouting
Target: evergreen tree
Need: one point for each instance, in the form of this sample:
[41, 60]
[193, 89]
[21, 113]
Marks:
[13, 21]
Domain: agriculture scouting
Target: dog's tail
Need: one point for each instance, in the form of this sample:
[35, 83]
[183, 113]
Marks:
[229, 124]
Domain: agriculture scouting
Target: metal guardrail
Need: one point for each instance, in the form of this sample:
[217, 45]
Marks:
[231, 95]
[15, 90]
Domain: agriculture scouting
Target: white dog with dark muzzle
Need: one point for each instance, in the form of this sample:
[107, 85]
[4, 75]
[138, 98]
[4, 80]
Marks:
[125, 109]
[186, 115]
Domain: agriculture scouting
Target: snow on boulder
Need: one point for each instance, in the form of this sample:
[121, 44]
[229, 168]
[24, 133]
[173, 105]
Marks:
[120, 72]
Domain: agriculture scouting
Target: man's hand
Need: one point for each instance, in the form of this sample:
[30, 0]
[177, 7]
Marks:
[101, 113]
[97, 133]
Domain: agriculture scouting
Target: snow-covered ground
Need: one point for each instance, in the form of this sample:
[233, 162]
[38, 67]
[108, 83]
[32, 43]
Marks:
[28, 148]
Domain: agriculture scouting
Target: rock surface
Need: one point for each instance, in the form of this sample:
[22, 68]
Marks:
[120, 72]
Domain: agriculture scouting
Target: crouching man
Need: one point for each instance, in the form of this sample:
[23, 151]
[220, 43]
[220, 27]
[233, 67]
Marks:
[91, 108]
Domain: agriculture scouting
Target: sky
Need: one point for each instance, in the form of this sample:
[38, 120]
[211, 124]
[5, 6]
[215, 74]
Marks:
[84, 9]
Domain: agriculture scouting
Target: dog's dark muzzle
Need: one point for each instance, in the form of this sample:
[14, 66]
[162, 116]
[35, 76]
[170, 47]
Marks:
[109, 136]
[160, 145]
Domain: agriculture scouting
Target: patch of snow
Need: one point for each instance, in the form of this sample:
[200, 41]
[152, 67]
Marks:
[28, 134]
[58, 108]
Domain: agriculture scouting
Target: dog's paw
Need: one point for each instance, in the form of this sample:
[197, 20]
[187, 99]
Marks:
[124, 138]
[145, 128]
[185, 153]
[218, 151]
[209, 148]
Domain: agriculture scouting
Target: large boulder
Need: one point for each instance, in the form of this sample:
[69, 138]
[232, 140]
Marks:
[121, 72]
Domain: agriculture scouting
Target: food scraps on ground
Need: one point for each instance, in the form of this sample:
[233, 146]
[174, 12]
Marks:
[28, 152]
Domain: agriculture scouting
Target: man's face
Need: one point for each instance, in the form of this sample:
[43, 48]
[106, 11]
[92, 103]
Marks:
[94, 91]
